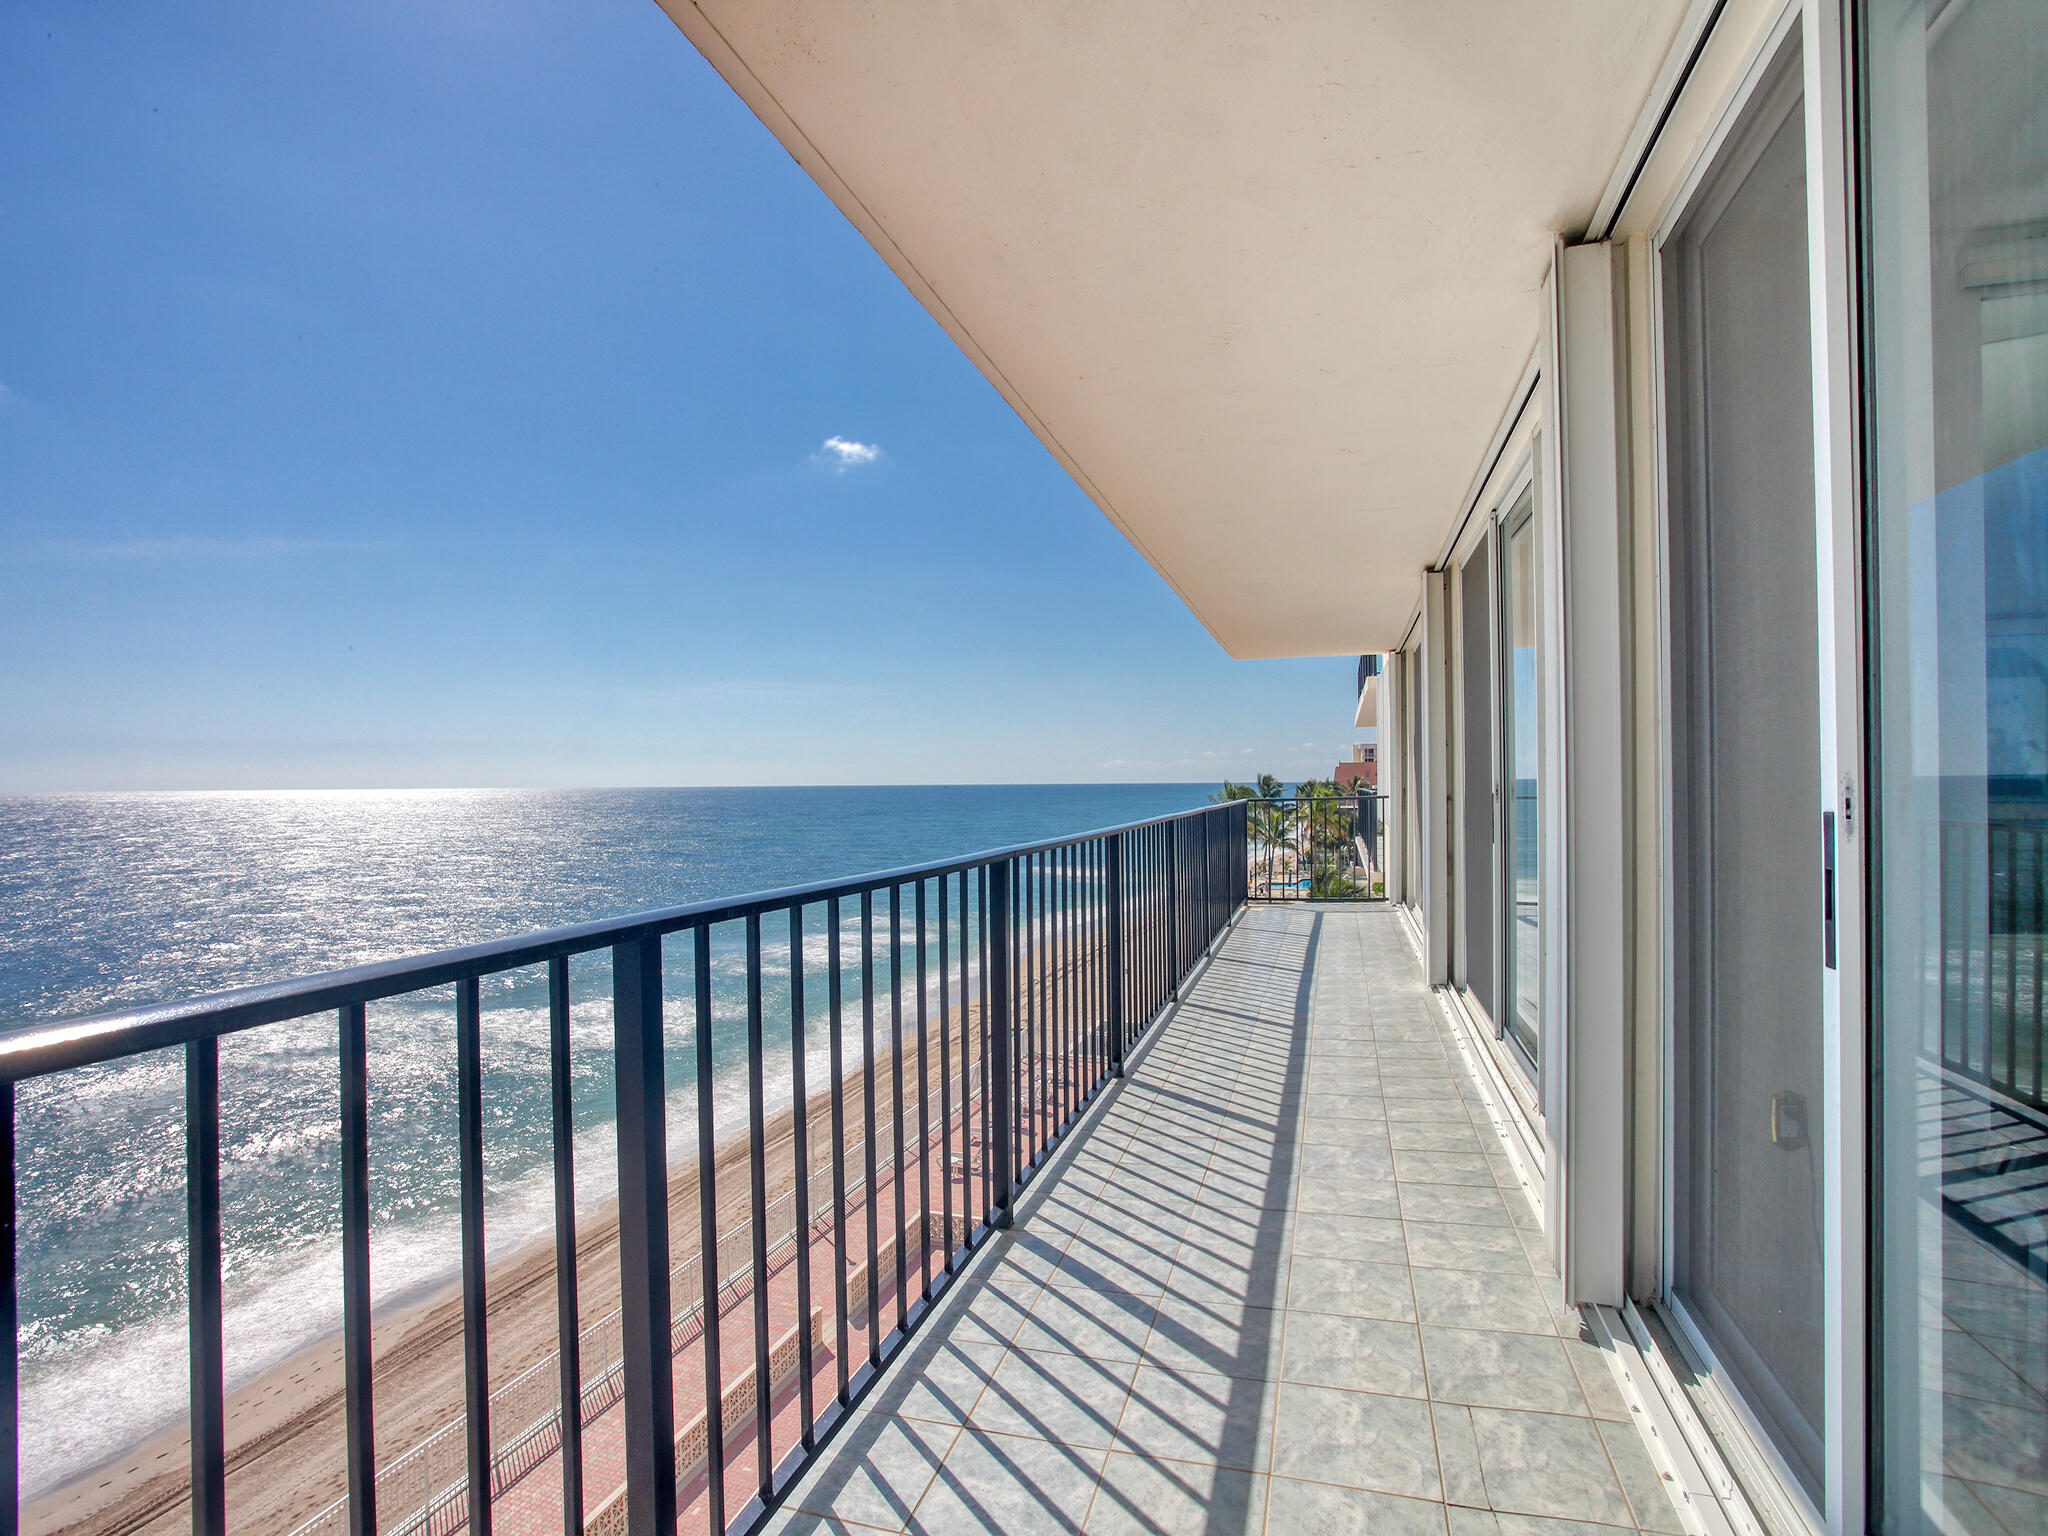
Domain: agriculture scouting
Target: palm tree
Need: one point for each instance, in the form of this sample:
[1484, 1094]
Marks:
[1271, 815]
[1265, 818]
[1266, 787]
[1326, 816]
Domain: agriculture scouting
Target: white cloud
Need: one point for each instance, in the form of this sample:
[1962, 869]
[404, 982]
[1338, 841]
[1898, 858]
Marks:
[843, 453]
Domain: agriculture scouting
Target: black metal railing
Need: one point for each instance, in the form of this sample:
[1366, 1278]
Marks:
[1993, 947]
[1024, 977]
[1319, 848]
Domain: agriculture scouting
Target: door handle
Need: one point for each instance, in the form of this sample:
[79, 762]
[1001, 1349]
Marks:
[1827, 889]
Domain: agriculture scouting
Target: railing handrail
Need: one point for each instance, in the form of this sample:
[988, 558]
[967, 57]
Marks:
[36, 1050]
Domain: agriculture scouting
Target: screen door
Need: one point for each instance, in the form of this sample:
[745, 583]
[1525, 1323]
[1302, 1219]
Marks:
[1747, 1043]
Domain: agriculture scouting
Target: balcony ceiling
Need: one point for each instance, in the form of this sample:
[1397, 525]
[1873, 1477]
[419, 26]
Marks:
[1262, 279]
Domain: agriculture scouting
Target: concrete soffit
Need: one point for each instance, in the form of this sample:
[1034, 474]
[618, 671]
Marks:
[1263, 282]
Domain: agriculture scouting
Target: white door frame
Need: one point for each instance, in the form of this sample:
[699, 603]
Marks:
[1826, 62]
[1829, 62]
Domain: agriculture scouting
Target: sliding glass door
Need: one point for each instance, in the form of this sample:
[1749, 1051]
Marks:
[1746, 1275]
[1521, 887]
[1956, 138]
[1477, 901]
[1500, 950]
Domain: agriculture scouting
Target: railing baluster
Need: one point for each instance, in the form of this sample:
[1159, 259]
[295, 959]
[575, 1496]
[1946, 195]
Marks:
[1026, 1123]
[1138, 934]
[1064, 887]
[1093, 1008]
[896, 1085]
[1088, 1018]
[707, 1239]
[476, 1375]
[1014, 936]
[1029, 1014]
[1206, 909]
[987, 1038]
[757, 1123]
[567, 1319]
[1173, 935]
[1055, 1018]
[355, 1271]
[1062, 1060]
[10, 1335]
[1144, 909]
[1086, 937]
[1169, 913]
[1115, 983]
[1104, 987]
[1024, 1059]
[998, 914]
[1113, 944]
[644, 1302]
[1042, 945]
[924, 1128]
[1042, 1120]
[1048, 1041]
[202, 1229]
[867, 1106]
[800, 1155]
[1069, 1013]
[1056, 1013]
[833, 984]
[946, 1070]
[973, 983]
[1162, 924]
[1025, 895]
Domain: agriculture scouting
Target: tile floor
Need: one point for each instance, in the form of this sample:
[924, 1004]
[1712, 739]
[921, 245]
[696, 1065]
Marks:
[1284, 1280]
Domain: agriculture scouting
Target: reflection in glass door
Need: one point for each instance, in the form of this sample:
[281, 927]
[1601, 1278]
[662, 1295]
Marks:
[1521, 914]
[1477, 902]
[1957, 316]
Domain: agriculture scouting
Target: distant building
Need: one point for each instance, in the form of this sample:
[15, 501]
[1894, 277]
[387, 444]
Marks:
[1362, 769]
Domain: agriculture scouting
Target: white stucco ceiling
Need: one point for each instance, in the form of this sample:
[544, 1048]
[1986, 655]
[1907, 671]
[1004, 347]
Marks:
[1263, 279]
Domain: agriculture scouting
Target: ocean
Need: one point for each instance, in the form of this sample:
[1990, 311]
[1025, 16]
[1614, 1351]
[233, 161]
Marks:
[108, 901]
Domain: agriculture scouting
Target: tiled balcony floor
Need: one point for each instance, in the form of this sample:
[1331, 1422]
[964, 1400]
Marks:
[1285, 1280]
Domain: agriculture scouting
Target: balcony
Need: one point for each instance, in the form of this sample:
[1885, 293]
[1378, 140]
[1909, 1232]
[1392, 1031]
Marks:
[1367, 712]
[1284, 1278]
[1107, 1195]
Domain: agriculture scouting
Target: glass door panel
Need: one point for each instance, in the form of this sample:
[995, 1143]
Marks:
[1957, 320]
[1521, 911]
[1476, 900]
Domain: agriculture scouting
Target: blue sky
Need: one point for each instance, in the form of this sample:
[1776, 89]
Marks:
[434, 393]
